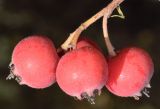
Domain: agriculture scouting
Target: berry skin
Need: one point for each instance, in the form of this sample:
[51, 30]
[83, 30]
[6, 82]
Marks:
[82, 73]
[130, 72]
[34, 62]
[86, 42]
[83, 42]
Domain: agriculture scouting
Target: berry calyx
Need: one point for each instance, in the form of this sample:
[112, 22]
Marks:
[34, 62]
[82, 72]
[130, 73]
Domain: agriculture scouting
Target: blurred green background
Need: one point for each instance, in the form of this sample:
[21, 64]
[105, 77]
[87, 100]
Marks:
[57, 19]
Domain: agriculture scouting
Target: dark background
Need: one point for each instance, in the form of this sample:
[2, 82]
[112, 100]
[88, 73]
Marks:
[57, 19]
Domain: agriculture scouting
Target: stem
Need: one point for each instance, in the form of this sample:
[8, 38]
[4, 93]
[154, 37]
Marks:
[107, 11]
[109, 45]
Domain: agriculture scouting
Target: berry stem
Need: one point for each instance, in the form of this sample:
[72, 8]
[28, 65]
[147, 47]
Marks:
[107, 11]
[109, 45]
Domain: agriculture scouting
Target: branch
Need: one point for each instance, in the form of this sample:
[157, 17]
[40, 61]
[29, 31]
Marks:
[107, 11]
[109, 45]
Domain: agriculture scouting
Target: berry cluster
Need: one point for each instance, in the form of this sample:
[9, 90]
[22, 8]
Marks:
[81, 72]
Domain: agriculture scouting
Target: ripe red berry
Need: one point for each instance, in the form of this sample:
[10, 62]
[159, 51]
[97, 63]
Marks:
[34, 62]
[86, 42]
[83, 42]
[82, 73]
[130, 72]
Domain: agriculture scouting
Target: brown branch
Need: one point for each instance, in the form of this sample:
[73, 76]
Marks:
[106, 37]
[107, 11]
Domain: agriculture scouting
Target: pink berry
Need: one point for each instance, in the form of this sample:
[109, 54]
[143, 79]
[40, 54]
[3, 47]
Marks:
[34, 62]
[130, 72]
[82, 73]
[86, 42]
[83, 42]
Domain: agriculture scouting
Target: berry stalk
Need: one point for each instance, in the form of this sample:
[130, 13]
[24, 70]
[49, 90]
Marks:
[107, 11]
[109, 45]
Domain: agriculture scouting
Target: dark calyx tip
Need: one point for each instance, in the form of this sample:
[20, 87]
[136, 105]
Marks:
[75, 98]
[90, 99]
[96, 92]
[11, 75]
[146, 92]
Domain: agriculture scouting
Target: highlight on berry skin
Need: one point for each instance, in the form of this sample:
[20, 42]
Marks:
[34, 61]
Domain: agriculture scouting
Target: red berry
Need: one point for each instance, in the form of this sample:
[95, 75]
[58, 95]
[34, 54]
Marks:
[81, 72]
[34, 62]
[83, 42]
[86, 42]
[130, 72]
